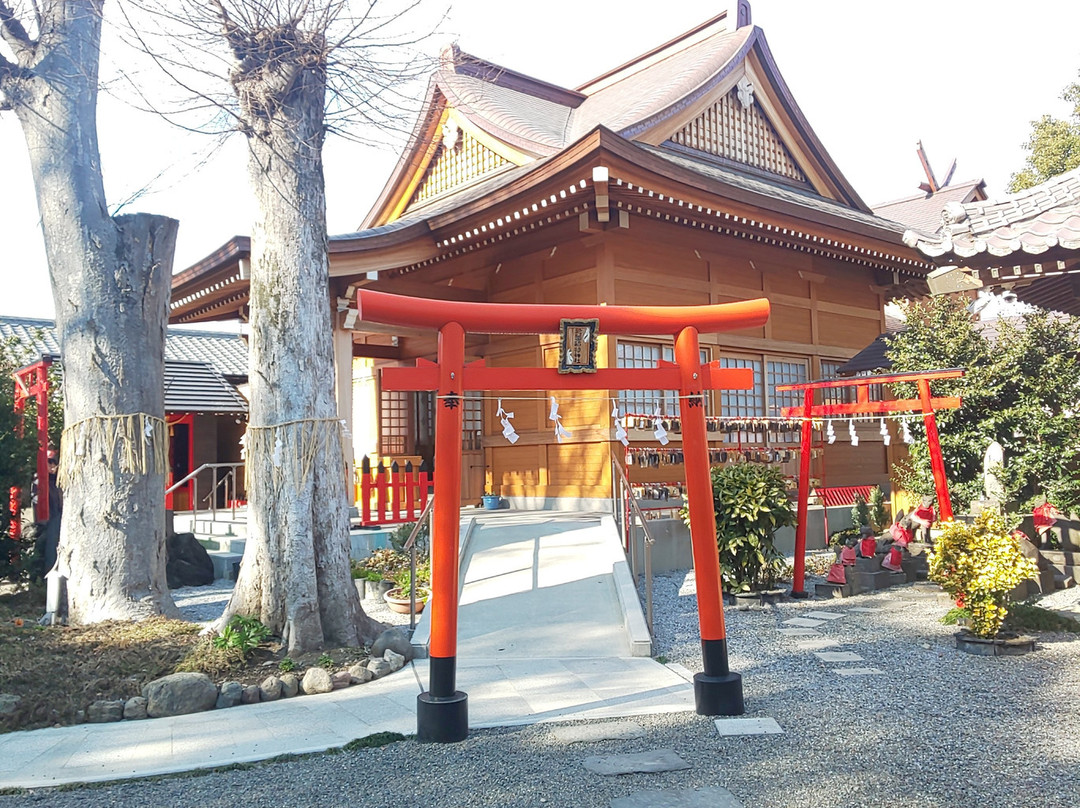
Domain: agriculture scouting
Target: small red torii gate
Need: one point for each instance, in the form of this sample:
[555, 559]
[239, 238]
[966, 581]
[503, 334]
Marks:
[442, 711]
[864, 406]
[32, 381]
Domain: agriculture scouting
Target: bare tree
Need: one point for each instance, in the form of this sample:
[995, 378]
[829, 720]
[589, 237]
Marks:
[292, 66]
[110, 280]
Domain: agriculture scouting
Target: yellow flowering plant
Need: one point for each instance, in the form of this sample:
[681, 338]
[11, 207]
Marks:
[978, 565]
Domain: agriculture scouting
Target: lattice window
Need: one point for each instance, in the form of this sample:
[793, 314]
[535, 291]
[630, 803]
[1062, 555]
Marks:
[835, 395]
[744, 135]
[393, 422]
[743, 403]
[450, 168]
[780, 372]
[472, 421]
[639, 355]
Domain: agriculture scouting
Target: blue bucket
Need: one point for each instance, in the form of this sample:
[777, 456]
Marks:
[491, 502]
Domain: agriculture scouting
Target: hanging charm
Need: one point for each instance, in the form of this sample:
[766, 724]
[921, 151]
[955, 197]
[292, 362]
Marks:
[508, 429]
[560, 431]
[620, 427]
[830, 435]
[659, 431]
[852, 433]
[885, 436]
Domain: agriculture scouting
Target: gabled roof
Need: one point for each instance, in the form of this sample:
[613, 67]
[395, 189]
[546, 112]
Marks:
[922, 212]
[714, 92]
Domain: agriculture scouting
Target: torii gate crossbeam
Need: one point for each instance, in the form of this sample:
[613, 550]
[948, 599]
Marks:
[442, 711]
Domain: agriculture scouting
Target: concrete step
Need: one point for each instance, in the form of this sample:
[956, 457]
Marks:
[227, 544]
[226, 564]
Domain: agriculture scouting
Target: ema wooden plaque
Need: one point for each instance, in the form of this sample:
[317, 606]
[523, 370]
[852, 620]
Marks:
[577, 345]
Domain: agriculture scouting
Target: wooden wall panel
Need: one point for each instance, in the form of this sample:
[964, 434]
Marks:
[578, 470]
[568, 259]
[791, 323]
[567, 292]
[516, 470]
[865, 464]
[847, 332]
[630, 293]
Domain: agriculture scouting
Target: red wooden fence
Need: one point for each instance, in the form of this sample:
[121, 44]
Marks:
[390, 496]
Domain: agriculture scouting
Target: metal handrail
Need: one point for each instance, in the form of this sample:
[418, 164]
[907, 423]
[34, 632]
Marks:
[215, 484]
[629, 496]
[410, 545]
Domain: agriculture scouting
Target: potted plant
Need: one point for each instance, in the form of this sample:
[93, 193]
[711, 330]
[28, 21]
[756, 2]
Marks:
[398, 598]
[978, 564]
[381, 567]
[751, 503]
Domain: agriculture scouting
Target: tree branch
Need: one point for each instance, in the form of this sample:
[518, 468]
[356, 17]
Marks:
[237, 39]
[14, 33]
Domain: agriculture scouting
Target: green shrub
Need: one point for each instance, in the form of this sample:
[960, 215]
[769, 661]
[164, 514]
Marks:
[860, 512]
[286, 665]
[879, 519]
[243, 634]
[386, 563]
[751, 503]
[978, 565]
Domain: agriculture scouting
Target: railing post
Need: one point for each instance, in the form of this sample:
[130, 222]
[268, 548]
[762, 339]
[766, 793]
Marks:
[395, 491]
[380, 492]
[365, 490]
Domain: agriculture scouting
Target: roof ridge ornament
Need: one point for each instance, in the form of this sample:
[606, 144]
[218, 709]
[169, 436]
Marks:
[745, 91]
[741, 16]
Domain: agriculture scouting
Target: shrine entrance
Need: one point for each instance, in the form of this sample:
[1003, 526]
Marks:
[442, 710]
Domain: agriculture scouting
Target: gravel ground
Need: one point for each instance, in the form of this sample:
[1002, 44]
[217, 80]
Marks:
[937, 728]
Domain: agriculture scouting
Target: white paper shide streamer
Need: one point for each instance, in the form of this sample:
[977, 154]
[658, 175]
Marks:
[906, 432]
[830, 434]
[852, 433]
[620, 425]
[885, 436]
[560, 431]
[508, 428]
[659, 431]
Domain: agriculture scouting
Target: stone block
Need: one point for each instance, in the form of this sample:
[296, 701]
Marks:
[230, 695]
[657, 760]
[179, 694]
[101, 712]
[135, 709]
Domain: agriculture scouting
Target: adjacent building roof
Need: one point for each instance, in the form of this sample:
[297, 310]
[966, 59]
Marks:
[196, 363]
[1023, 225]
[198, 387]
[922, 212]
[1028, 242]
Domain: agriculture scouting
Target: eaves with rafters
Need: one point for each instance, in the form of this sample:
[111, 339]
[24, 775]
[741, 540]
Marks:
[702, 132]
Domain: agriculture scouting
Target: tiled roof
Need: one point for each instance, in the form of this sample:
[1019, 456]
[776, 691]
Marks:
[632, 98]
[226, 352]
[923, 211]
[198, 387]
[1030, 222]
[737, 179]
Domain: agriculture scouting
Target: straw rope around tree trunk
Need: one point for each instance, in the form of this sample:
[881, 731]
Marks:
[133, 443]
[293, 445]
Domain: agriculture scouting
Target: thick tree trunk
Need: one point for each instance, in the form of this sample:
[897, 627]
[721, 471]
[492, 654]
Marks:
[295, 575]
[110, 281]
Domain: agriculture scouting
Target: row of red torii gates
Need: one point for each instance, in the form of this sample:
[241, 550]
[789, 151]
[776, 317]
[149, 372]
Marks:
[442, 710]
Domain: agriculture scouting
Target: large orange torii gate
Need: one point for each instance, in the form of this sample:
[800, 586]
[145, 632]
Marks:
[442, 711]
[808, 411]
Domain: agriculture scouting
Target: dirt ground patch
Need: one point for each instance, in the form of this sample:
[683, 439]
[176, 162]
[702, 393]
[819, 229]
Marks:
[58, 671]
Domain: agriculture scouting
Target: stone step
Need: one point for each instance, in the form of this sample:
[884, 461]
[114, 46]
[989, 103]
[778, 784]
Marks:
[227, 544]
[226, 564]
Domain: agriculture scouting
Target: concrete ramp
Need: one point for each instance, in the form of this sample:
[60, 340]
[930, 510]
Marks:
[546, 584]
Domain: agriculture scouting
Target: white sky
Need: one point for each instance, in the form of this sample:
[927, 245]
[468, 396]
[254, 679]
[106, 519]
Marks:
[872, 78]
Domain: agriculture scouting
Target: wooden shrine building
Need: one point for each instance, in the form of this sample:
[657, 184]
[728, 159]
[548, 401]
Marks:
[686, 176]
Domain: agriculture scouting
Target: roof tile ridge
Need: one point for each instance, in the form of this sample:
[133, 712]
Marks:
[456, 61]
[687, 39]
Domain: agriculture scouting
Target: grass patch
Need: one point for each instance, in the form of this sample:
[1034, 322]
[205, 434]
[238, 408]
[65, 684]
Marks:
[373, 741]
[1028, 617]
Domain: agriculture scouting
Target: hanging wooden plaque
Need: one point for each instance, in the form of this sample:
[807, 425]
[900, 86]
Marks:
[577, 345]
